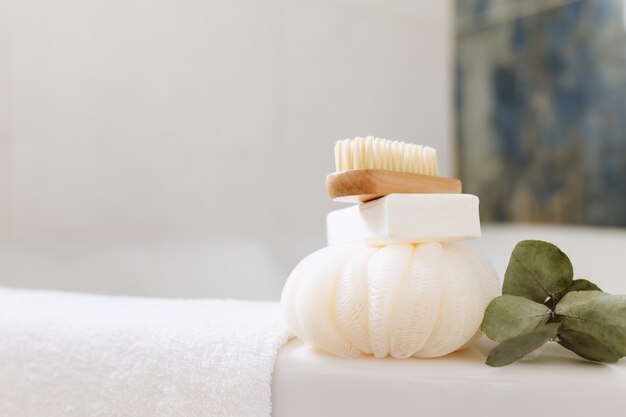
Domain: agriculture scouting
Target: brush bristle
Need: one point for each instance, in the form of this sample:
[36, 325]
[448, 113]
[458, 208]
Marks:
[376, 153]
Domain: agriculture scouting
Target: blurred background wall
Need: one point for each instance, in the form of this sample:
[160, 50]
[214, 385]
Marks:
[179, 147]
[541, 96]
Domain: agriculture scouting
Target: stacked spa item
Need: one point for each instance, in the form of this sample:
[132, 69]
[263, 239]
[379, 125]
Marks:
[393, 281]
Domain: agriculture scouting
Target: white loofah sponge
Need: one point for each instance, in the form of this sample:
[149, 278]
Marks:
[423, 300]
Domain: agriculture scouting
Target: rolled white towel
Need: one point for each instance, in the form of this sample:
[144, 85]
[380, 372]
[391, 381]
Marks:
[64, 354]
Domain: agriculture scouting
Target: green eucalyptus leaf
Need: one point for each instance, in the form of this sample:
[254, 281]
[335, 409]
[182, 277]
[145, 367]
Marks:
[508, 316]
[583, 285]
[586, 346]
[537, 270]
[580, 285]
[601, 315]
[517, 347]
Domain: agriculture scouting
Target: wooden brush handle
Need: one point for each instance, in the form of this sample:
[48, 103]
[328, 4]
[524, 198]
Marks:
[361, 185]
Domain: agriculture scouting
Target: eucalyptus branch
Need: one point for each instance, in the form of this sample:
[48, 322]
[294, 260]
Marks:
[541, 302]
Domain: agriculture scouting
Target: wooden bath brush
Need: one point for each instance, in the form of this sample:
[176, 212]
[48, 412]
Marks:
[369, 168]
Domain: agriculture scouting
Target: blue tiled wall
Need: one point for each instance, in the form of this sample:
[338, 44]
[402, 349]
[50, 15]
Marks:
[541, 109]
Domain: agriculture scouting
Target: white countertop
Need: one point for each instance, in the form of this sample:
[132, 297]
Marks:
[308, 383]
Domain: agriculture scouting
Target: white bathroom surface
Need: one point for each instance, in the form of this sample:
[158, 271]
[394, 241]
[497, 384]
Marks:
[596, 252]
[311, 383]
[307, 382]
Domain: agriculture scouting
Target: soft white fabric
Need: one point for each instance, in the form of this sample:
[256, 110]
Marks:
[81, 355]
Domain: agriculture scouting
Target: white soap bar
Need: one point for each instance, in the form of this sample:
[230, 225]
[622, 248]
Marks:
[406, 218]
